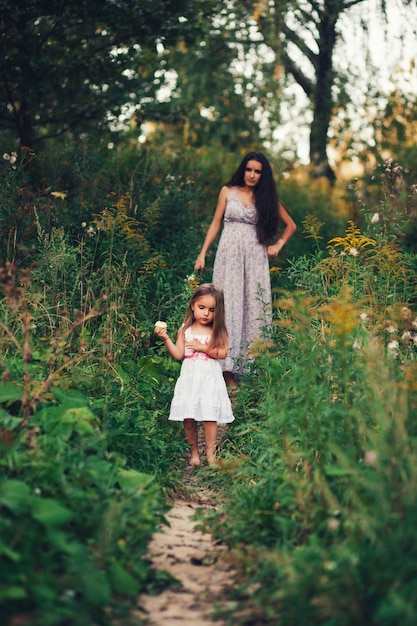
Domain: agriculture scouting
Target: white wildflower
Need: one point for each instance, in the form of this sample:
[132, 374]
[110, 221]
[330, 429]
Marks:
[393, 345]
[391, 329]
[414, 323]
[363, 316]
[406, 336]
[333, 524]
[405, 313]
[353, 252]
[356, 345]
[375, 218]
[371, 457]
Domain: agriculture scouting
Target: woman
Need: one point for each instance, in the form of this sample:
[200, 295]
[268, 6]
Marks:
[250, 210]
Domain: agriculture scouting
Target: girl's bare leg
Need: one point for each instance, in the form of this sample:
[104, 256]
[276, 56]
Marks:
[191, 437]
[210, 434]
[229, 379]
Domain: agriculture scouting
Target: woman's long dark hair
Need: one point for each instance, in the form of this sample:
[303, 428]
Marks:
[266, 196]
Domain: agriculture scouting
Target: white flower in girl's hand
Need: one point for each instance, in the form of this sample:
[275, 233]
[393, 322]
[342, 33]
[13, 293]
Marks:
[161, 325]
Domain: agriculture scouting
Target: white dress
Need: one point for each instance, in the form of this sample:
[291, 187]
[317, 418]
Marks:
[200, 392]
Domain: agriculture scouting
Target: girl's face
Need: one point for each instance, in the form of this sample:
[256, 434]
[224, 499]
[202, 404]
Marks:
[253, 173]
[203, 309]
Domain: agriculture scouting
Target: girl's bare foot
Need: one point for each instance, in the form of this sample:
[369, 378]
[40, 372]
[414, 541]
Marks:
[211, 460]
[194, 460]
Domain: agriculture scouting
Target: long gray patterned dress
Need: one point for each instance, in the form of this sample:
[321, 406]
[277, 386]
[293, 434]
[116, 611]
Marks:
[241, 270]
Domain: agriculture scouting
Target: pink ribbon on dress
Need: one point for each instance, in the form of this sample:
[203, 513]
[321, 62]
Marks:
[198, 356]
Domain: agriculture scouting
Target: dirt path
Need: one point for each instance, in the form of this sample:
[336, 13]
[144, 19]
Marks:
[194, 559]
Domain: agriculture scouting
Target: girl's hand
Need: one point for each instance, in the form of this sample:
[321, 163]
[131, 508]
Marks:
[161, 330]
[196, 345]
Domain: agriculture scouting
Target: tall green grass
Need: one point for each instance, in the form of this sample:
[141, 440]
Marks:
[320, 473]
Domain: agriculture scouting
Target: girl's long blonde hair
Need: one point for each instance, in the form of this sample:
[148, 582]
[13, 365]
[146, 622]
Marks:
[219, 337]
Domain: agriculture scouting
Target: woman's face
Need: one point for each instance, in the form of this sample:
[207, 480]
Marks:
[253, 173]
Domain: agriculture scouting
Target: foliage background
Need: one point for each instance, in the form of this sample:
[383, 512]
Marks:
[99, 234]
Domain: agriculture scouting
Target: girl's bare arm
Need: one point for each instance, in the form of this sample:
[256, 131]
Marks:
[176, 349]
[217, 353]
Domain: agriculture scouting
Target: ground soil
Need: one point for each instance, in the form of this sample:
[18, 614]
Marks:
[194, 558]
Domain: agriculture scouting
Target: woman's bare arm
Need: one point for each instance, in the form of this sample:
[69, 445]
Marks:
[290, 228]
[213, 229]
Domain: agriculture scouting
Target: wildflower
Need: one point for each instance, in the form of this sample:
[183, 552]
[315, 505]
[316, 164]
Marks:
[6, 156]
[342, 253]
[371, 457]
[83, 224]
[192, 281]
[333, 524]
[391, 329]
[393, 345]
[406, 336]
[405, 313]
[356, 344]
[414, 323]
[90, 231]
[363, 316]
[375, 218]
[353, 252]
[67, 596]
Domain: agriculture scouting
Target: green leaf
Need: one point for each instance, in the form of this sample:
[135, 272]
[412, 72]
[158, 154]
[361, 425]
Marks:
[82, 416]
[10, 422]
[96, 587]
[8, 552]
[337, 471]
[13, 493]
[122, 581]
[131, 480]
[12, 593]
[10, 392]
[50, 512]
[72, 397]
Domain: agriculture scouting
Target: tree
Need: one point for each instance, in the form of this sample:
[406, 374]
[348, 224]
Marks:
[67, 66]
[303, 35]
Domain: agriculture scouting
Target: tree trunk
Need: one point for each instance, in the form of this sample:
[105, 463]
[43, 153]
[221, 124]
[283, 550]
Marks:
[322, 98]
[23, 123]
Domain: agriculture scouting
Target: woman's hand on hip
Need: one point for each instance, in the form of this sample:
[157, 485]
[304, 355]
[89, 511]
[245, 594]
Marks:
[274, 250]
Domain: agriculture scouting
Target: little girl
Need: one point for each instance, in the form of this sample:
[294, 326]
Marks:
[200, 393]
